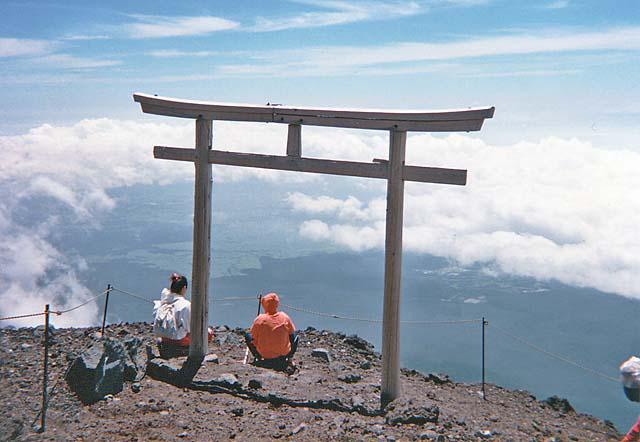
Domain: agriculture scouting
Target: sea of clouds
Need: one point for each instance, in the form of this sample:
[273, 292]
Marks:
[552, 209]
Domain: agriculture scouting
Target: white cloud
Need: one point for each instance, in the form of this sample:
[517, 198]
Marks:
[349, 209]
[171, 53]
[15, 47]
[76, 166]
[558, 4]
[67, 61]
[338, 12]
[340, 60]
[356, 238]
[557, 209]
[86, 37]
[154, 26]
[523, 73]
[36, 274]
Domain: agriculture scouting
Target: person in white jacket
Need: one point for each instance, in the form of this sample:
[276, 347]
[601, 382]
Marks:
[172, 316]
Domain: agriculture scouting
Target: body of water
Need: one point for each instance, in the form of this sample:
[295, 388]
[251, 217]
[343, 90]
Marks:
[256, 248]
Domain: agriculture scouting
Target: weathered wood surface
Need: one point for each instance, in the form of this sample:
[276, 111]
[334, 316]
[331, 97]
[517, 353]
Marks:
[294, 141]
[201, 241]
[390, 388]
[421, 121]
[436, 175]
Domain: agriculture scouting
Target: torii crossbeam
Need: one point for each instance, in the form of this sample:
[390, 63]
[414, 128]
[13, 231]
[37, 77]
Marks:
[398, 123]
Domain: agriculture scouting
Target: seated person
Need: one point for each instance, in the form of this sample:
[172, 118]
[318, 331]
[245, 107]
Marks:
[272, 339]
[172, 316]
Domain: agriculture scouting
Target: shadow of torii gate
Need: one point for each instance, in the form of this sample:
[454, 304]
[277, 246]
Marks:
[398, 123]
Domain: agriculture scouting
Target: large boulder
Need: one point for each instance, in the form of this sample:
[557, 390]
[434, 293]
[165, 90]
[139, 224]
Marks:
[102, 369]
[136, 360]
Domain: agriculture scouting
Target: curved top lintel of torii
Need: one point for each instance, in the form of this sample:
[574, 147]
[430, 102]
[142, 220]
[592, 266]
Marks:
[461, 120]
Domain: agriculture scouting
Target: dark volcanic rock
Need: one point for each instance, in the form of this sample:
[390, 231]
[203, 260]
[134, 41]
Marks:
[359, 343]
[99, 371]
[312, 405]
[439, 378]
[403, 411]
[559, 404]
[321, 353]
[173, 371]
[134, 362]
[366, 365]
[227, 380]
[350, 378]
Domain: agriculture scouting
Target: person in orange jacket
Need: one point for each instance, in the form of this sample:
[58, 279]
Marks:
[272, 339]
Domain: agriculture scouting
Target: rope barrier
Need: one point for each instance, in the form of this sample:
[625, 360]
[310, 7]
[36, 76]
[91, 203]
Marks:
[453, 321]
[235, 298]
[22, 316]
[329, 315]
[555, 356]
[57, 312]
[346, 318]
[379, 321]
[60, 312]
[131, 294]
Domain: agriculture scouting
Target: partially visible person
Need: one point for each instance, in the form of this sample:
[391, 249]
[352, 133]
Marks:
[273, 339]
[172, 317]
[630, 374]
[634, 433]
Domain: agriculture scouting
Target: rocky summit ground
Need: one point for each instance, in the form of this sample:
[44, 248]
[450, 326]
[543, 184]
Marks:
[323, 400]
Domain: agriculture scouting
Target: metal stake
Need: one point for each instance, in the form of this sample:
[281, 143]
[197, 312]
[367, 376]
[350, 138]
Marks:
[246, 351]
[484, 396]
[106, 305]
[45, 393]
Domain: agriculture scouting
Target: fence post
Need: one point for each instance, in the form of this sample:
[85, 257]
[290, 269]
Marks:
[45, 393]
[484, 396]
[106, 305]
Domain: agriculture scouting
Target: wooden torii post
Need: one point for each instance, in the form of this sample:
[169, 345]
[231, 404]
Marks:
[398, 123]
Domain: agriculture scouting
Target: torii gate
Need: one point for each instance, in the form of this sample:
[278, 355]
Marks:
[398, 123]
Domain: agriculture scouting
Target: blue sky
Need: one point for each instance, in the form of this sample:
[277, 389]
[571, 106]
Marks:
[556, 67]
[552, 178]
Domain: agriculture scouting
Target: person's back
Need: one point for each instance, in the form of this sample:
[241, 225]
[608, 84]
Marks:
[172, 314]
[272, 334]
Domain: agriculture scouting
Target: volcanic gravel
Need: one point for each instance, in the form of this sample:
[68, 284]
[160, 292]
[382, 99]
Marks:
[298, 406]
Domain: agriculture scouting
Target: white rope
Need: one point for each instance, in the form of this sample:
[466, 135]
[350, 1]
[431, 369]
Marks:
[555, 356]
[60, 312]
[132, 295]
[55, 312]
[379, 321]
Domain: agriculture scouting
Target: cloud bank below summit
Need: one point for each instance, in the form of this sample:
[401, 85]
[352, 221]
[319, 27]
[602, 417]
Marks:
[75, 167]
[556, 209]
